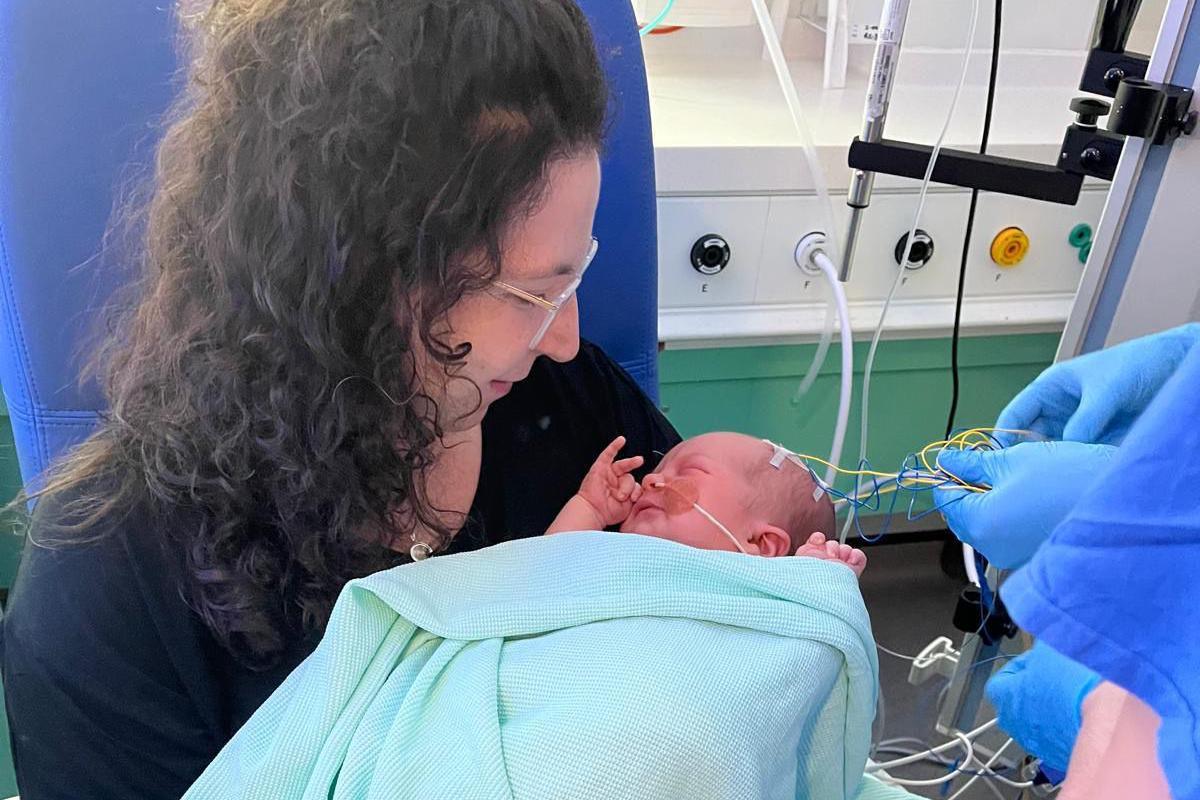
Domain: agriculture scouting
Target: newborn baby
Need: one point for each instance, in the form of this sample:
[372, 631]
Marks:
[719, 491]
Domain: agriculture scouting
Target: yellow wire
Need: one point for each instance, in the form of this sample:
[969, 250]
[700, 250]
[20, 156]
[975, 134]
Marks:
[971, 439]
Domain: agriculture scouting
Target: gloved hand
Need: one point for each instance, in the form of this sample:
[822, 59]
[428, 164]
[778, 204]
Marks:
[1097, 397]
[1038, 697]
[1034, 486]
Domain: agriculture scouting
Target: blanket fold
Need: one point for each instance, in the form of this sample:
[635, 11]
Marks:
[587, 665]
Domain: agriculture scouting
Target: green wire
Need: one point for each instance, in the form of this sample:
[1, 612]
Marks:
[654, 23]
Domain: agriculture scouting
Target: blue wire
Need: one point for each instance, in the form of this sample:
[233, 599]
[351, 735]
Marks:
[867, 497]
[654, 23]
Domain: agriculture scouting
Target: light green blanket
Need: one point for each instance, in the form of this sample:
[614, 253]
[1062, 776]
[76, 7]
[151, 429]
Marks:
[586, 665]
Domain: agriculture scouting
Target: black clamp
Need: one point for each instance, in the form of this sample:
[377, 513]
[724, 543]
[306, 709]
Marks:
[970, 616]
[1157, 112]
[1086, 149]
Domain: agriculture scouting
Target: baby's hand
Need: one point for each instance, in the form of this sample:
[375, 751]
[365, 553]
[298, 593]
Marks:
[609, 488]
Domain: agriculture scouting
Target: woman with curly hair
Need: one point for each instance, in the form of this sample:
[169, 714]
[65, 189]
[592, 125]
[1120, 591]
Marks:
[367, 224]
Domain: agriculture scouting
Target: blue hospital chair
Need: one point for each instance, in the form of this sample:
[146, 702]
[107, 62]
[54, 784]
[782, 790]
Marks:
[81, 86]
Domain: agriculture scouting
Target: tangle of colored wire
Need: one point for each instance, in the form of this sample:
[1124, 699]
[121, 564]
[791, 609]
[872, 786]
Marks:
[918, 476]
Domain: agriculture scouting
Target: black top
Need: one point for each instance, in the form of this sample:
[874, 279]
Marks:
[115, 689]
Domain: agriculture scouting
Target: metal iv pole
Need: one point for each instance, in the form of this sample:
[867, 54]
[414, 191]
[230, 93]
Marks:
[879, 95]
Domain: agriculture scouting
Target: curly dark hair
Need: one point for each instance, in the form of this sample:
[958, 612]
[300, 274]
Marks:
[319, 186]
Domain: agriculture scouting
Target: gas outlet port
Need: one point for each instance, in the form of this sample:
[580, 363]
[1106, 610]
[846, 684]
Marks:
[1010, 247]
[921, 252]
[711, 254]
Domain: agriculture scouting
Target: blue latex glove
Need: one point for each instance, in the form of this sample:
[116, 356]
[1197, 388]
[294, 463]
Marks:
[1034, 485]
[1097, 397]
[1038, 697]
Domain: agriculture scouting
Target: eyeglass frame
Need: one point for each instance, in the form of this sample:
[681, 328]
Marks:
[551, 307]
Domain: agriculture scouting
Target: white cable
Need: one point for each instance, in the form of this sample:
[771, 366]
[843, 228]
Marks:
[969, 755]
[826, 265]
[933, 751]
[995, 757]
[893, 653]
[912, 234]
[893, 746]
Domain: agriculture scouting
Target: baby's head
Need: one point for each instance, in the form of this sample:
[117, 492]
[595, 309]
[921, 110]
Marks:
[770, 511]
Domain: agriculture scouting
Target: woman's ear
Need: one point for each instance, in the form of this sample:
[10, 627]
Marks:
[772, 541]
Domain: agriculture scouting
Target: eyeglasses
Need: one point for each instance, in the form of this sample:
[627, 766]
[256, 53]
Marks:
[550, 307]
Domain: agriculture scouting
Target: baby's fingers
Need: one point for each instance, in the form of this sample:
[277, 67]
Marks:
[609, 453]
[626, 488]
[627, 465]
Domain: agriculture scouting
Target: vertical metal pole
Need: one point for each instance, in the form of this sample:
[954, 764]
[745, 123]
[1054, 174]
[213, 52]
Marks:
[879, 95]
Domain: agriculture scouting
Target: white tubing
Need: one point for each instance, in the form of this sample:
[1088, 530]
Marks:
[818, 359]
[792, 97]
[826, 265]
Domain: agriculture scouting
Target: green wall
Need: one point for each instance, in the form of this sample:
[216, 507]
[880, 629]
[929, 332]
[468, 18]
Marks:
[10, 553]
[751, 390]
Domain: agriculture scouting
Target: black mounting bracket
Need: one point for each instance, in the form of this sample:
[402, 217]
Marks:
[1156, 112]
[1153, 111]
[964, 168]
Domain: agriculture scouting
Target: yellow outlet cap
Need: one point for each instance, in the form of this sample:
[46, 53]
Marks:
[1010, 247]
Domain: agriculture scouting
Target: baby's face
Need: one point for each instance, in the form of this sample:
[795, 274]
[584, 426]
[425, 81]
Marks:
[717, 465]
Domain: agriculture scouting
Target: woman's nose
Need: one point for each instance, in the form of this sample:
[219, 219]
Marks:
[561, 341]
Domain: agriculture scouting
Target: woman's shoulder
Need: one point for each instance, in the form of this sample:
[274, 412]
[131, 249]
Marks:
[116, 577]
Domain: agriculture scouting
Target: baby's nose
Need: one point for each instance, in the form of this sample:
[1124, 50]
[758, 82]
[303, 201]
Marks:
[653, 480]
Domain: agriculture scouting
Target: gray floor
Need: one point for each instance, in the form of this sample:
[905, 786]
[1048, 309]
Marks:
[911, 602]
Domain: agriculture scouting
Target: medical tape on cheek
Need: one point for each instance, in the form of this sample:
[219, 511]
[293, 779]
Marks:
[681, 495]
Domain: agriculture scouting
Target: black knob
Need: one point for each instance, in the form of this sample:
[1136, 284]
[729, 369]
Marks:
[921, 252]
[1089, 110]
[1091, 157]
[1113, 78]
[710, 254]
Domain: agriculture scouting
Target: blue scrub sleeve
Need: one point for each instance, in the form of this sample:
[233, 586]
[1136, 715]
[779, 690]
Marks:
[1115, 586]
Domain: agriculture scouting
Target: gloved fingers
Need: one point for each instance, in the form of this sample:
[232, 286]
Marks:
[971, 466]
[1027, 408]
[1090, 420]
[963, 511]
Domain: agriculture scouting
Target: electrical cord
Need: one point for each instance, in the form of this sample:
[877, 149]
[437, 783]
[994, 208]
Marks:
[996, 757]
[966, 249]
[933, 751]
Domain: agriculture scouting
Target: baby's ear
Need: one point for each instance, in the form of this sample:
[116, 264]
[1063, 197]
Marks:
[772, 541]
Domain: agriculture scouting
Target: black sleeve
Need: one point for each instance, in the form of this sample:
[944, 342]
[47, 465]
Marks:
[540, 440]
[91, 661]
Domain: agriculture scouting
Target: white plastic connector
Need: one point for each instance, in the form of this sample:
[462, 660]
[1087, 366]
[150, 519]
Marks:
[807, 248]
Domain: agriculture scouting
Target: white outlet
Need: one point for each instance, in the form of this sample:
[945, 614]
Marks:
[763, 293]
